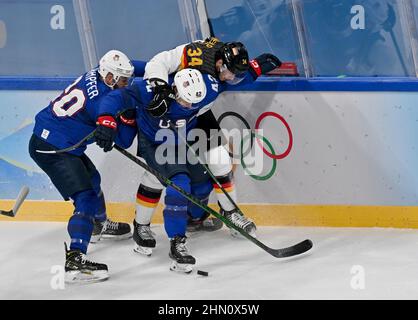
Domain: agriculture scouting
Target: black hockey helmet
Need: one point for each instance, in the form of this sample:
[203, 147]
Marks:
[236, 63]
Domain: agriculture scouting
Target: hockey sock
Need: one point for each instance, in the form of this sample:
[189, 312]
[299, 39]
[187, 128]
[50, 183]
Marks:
[80, 226]
[227, 183]
[101, 212]
[220, 164]
[202, 192]
[146, 203]
[175, 211]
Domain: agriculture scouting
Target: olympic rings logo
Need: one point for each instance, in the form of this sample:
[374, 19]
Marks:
[262, 141]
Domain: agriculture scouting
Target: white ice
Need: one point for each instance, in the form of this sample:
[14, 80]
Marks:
[345, 263]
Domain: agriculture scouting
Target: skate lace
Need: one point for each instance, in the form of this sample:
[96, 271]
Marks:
[84, 260]
[182, 248]
[238, 220]
[145, 232]
[111, 225]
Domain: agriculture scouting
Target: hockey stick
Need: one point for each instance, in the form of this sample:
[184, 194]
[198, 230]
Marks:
[69, 148]
[296, 249]
[20, 198]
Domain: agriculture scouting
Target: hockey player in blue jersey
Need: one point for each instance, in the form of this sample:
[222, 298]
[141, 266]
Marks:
[226, 62]
[194, 93]
[63, 123]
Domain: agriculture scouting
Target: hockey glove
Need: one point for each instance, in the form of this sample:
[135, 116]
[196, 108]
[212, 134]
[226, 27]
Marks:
[164, 94]
[264, 64]
[105, 133]
[128, 117]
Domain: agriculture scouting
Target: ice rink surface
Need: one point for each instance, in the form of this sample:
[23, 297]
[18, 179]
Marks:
[385, 261]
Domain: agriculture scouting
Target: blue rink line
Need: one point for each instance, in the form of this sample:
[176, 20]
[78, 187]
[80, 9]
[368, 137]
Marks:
[369, 84]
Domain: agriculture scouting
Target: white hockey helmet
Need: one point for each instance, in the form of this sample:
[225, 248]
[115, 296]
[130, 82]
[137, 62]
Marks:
[118, 64]
[190, 85]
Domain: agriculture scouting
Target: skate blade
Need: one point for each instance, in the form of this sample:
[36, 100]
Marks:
[205, 227]
[78, 277]
[143, 250]
[95, 239]
[181, 267]
[118, 237]
[215, 225]
[236, 234]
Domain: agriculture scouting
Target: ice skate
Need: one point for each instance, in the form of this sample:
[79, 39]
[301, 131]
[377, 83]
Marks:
[240, 221]
[182, 260]
[109, 229]
[144, 239]
[204, 223]
[80, 270]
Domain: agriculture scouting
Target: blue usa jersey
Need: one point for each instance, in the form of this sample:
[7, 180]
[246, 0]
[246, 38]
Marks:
[72, 116]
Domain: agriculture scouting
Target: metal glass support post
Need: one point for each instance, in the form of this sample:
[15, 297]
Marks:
[300, 29]
[189, 19]
[202, 14]
[86, 33]
[410, 25]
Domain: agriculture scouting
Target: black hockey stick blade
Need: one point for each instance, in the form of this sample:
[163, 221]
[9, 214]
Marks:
[7, 213]
[291, 251]
[20, 198]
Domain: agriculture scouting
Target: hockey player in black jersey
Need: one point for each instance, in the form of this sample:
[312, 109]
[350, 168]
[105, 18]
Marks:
[227, 63]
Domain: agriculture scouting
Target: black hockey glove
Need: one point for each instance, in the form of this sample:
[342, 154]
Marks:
[128, 117]
[264, 64]
[163, 96]
[105, 133]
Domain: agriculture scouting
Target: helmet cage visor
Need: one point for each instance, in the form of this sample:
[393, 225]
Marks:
[230, 77]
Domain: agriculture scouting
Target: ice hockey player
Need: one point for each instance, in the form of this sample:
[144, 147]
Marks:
[193, 93]
[227, 63]
[63, 123]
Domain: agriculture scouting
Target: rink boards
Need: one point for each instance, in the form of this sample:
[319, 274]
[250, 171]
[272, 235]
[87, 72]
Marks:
[337, 152]
[262, 214]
